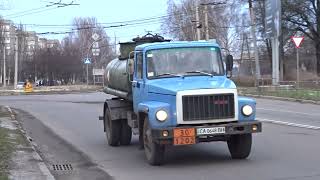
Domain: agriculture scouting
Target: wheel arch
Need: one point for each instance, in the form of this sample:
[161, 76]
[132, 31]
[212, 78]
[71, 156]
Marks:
[118, 109]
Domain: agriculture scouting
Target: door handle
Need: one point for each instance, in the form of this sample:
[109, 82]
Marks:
[134, 83]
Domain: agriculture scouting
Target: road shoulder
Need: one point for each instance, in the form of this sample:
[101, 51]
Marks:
[63, 160]
[20, 161]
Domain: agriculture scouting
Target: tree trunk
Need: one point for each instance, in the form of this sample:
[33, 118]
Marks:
[269, 50]
[318, 56]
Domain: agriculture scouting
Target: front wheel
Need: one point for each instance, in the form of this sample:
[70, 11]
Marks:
[154, 152]
[240, 146]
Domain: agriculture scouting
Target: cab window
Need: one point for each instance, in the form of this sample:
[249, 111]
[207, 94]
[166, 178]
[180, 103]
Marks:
[139, 65]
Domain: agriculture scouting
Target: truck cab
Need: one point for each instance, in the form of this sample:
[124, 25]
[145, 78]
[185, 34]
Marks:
[181, 95]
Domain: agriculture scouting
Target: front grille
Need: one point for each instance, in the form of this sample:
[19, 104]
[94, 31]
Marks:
[208, 107]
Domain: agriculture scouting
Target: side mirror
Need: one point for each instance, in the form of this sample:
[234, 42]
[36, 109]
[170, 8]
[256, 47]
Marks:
[130, 66]
[229, 65]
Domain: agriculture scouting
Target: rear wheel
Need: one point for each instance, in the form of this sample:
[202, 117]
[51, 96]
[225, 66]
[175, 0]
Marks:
[113, 129]
[126, 133]
[154, 152]
[240, 146]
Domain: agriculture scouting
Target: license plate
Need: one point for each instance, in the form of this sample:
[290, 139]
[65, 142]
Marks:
[184, 141]
[184, 136]
[209, 131]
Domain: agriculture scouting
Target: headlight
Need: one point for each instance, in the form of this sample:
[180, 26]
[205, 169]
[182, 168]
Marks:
[161, 115]
[247, 110]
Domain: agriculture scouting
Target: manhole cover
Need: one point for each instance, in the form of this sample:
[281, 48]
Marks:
[62, 167]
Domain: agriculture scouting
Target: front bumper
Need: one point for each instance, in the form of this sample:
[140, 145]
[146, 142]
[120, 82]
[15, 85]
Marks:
[233, 128]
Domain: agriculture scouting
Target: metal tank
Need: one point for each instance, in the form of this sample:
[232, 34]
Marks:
[117, 79]
[117, 72]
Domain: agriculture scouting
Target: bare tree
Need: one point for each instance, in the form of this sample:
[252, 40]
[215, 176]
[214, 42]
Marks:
[304, 16]
[223, 21]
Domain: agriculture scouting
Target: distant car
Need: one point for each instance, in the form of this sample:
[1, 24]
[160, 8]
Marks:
[40, 82]
[20, 85]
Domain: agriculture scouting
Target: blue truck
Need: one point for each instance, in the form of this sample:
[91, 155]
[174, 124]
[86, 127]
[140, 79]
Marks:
[175, 94]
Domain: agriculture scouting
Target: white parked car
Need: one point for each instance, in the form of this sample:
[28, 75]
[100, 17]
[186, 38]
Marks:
[20, 85]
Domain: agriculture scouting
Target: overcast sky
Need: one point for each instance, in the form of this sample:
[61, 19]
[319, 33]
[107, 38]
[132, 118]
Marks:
[106, 11]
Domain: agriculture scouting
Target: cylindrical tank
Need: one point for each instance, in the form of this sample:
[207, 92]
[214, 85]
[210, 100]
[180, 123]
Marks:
[117, 79]
[116, 76]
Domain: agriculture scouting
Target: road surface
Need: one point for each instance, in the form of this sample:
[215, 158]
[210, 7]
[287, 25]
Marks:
[286, 151]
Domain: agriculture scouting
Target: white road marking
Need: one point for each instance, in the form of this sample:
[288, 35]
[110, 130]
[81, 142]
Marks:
[288, 111]
[289, 124]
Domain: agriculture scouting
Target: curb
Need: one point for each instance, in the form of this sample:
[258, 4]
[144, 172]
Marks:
[283, 99]
[42, 166]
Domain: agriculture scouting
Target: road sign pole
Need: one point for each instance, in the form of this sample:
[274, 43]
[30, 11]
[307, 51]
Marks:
[297, 41]
[4, 67]
[16, 64]
[298, 75]
[87, 74]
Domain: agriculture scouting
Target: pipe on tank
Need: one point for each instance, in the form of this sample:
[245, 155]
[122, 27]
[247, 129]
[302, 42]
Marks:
[121, 94]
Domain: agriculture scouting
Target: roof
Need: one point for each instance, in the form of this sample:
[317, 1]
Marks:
[175, 44]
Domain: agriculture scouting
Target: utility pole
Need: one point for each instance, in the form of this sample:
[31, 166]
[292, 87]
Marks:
[4, 67]
[253, 33]
[197, 21]
[206, 22]
[249, 53]
[115, 43]
[16, 63]
[205, 5]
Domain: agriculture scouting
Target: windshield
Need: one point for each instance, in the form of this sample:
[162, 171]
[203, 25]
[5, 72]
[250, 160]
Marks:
[184, 61]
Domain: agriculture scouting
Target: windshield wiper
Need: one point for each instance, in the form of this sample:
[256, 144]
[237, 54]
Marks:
[169, 74]
[200, 72]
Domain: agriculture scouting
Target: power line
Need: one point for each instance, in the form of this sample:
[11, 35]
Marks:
[157, 18]
[35, 12]
[93, 27]
[14, 14]
[41, 9]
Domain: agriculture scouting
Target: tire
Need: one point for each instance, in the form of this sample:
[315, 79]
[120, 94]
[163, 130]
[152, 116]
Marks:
[126, 133]
[154, 152]
[240, 146]
[113, 129]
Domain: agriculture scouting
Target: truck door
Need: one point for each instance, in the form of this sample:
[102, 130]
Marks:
[138, 83]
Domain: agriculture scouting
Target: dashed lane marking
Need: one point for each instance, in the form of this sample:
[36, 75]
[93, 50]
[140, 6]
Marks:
[288, 111]
[306, 126]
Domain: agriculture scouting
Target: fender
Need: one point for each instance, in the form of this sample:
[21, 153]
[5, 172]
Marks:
[151, 108]
[118, 109]
[246, 101]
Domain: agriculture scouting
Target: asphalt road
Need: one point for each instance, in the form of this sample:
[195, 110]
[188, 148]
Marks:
[282, 152]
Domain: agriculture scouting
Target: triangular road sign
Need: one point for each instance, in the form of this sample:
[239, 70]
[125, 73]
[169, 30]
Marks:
[87, 61]
[297, 41]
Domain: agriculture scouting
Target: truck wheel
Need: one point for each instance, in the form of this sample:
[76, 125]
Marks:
[240, 146]
[126, 133]
[113, 129]
[154, 152]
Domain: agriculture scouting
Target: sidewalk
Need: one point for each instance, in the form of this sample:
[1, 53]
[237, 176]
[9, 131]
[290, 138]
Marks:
[19, 160]
[50, 90]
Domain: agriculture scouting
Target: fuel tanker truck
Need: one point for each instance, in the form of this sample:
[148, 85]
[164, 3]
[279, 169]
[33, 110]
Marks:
[175, 94]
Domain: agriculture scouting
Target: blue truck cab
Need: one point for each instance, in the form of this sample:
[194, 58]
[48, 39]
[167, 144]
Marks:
[182, 95]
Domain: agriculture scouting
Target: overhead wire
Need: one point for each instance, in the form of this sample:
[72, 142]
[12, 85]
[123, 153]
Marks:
[57, 5]
[35, 12]
[14, 14]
